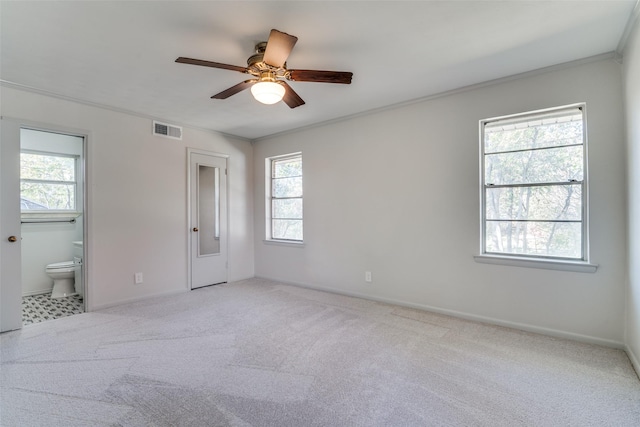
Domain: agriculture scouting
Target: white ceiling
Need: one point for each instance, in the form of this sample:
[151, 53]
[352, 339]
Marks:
[121, 54]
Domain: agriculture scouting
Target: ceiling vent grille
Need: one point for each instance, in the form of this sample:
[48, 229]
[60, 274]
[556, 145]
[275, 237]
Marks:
[167, 130]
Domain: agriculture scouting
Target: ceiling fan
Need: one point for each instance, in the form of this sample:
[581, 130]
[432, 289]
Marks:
[269, 68]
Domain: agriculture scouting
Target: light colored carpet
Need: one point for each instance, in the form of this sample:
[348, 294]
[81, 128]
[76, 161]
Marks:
[259, 353]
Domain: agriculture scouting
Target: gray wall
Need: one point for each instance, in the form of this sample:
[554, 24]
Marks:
[397, 193]
[137, 204]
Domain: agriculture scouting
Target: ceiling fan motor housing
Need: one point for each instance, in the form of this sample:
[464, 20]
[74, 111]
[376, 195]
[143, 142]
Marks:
[257, 67]
[259, 55]
[267, 76]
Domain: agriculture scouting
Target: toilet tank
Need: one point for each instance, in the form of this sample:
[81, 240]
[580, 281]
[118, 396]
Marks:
[78, 253]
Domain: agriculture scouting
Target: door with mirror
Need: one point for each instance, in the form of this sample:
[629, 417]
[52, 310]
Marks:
[208, 219]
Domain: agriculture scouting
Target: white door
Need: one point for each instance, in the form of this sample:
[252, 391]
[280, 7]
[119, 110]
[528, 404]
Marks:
[10, 245]
[208, 219]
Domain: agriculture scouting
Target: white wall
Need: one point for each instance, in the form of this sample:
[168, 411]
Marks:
[137, 216]
[46, 243]
[632, 107]
[396, 193]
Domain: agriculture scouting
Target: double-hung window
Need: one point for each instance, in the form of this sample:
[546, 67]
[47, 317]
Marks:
[48, 182]
[284, 206]
[533, 189]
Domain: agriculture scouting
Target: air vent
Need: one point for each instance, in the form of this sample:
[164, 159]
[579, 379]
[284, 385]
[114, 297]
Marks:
[167, 130]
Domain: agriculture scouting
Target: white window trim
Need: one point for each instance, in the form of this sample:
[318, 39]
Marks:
[547, 264]
[280, 242]
[532, 261]
[268, 204]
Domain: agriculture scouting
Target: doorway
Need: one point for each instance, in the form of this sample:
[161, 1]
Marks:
[43, 210]
[207, 218]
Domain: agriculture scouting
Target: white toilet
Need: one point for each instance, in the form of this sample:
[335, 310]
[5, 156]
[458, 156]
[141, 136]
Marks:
[63, 275]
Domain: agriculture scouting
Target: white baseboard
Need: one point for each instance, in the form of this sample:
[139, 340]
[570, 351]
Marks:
[634, 359]
[38, 292]
[467, 316]
[145, 297]
[134, 299]
[240, 279]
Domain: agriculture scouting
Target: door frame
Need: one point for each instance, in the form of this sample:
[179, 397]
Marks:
[226, 158]
[85, 166]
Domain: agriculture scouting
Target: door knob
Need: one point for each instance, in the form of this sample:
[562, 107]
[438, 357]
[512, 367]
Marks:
[12, 239]
[195, 229]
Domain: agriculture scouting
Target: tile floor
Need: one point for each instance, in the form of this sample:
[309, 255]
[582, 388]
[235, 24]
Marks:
[38, 308]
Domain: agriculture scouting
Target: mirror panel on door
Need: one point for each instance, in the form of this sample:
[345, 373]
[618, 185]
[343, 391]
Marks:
[208, 210]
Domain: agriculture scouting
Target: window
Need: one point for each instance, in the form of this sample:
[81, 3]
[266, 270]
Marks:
[284, 207]
[47, 182]
[534, 196]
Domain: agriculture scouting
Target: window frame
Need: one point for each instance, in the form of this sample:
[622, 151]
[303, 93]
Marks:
[270, 198]
[581, 264]
[76, 172]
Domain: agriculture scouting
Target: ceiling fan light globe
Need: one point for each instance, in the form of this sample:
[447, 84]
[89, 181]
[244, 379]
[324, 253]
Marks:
[267, 92]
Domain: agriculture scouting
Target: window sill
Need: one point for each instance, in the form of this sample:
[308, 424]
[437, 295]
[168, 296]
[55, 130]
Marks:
[284, 243]
[50, 215]
[547, 264]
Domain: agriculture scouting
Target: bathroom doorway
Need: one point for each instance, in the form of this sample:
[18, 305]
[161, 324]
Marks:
[52, 207]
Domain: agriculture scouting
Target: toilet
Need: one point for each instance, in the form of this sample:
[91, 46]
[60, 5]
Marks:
[63, 275]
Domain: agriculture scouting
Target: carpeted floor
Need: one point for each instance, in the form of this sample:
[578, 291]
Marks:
[38, 308]
[260, 353]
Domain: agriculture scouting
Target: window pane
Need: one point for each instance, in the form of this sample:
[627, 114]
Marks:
[287, 187]
[49, 168]
[287, 167]
[555, 202]
[287, 208]
[538, 166]
[29, 205]
[533, 134]
[534, 238]
[290, 229]
[50, 196]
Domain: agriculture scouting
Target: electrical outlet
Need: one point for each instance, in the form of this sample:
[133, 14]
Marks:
[138, 278]
[367, 276]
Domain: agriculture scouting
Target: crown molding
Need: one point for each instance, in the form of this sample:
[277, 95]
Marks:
[43, 92]
[526, 74]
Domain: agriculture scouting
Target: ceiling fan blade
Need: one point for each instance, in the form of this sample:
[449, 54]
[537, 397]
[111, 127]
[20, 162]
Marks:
[192, 61]
[235, 89]
[291, 98]
[343, 77]
[278, 48]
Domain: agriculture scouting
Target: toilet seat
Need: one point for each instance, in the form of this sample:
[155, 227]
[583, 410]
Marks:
[60, 265]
